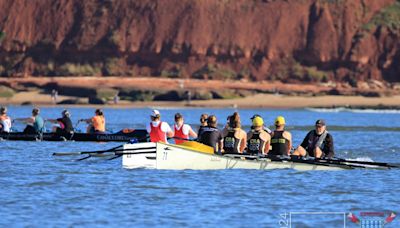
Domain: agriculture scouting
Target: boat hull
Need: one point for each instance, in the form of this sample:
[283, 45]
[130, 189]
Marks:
[139, 134]
[173, 157]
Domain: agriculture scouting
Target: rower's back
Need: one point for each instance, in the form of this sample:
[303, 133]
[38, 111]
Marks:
[234, 138]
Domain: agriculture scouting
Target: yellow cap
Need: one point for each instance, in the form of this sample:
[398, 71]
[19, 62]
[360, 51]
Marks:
[279, 120]
[258, 121]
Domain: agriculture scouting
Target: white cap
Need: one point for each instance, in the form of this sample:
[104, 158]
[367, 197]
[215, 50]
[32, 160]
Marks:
[155, 113]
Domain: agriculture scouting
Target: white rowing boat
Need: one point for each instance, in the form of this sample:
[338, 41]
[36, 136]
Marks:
[174, 157]
[194, 155]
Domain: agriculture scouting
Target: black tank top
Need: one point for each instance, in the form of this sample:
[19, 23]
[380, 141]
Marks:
[255, 144]
[280, 145]
[210, 136]
[201, 130]
[231, 143]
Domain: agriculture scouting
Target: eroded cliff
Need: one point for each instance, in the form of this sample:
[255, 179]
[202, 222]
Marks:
[288, 40]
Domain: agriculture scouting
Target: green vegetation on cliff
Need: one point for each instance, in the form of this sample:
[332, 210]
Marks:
[388, 17]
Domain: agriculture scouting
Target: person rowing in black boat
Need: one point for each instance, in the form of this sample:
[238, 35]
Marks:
[318, 143]
[65, 124]
[35, 123]
[97, 124]
[5, 120]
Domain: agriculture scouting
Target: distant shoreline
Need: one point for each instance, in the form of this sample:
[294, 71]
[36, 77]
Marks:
[256, 101]
[37, 96]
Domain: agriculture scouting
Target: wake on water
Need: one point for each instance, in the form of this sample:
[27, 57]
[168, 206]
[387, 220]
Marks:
[342, 109]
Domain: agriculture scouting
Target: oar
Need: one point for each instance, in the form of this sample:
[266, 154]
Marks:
[76, 125]
[326, 162]
[80, 159]
[115, 151]
[363, 162]
[340, 162]
[87, 152]
[183, 138]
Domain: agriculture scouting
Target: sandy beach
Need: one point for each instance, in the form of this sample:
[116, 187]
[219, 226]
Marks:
[256, 101]
[259, 100]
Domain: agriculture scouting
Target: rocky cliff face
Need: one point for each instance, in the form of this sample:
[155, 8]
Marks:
[288, 40]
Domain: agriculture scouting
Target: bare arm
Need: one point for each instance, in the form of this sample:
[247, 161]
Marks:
[288, 137]
[243, 142]
[86, 120]
[170, 134]
[267, 143]
[192, 133]
[25, 120]
[52, 120]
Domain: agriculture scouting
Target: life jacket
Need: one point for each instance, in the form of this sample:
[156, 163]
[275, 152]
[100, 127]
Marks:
[99, 123]
[179, 134]
[280, 145]
[156, 134]
[231, 143]
[255, 145]
[315, 140]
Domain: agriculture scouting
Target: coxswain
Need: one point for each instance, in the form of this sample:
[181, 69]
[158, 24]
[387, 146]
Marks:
[234, 138]
[65, 124]
[182, 131]
[34, 124]
[258, 139]
[281, 140]
[318, 143]
[211, 135]
[5, 120]
[97, 124]
[158, 130]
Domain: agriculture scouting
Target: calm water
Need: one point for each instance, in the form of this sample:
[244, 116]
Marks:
[41, 191]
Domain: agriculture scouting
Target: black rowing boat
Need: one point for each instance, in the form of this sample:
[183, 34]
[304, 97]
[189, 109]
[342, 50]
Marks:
[139, 135]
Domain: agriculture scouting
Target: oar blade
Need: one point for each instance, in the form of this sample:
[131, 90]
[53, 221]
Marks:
[66, 153]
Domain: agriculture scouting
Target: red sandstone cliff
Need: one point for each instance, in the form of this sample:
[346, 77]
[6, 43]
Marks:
[289, 40]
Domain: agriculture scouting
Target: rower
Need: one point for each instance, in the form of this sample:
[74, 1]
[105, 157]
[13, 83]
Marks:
[5, 121]
[158, 131]
[258, 139]
[203, 123]
[281, 140]
[65, 124]
[318, 143]
[211, 135]
[35, 123]
[182, 131]
[97, 124]
[234, 138]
